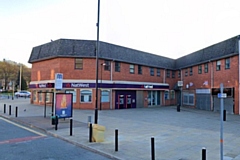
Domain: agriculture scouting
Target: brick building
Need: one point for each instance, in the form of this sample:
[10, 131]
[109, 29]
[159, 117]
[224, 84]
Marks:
[130, 78]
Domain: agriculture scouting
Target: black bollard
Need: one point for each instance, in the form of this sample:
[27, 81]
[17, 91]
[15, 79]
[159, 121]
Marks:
[224, 115]
[204, 153]
[4, 108]
[152, 148]
[116, 140]
[12, 98]
[16, 112]
[178, 108]
[56, 122]
[9, 110]
[71, 125]
[90, 132]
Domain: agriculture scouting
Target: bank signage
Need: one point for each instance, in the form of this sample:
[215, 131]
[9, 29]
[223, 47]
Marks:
[58, 80]
[77, 85]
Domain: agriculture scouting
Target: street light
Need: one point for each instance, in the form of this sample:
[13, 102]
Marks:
[97, 50]
[102, 64]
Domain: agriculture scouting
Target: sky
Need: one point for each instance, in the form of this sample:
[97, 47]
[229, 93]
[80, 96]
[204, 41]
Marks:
[170, 28]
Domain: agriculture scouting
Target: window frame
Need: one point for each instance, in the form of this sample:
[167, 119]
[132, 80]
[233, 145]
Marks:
[139, 69]
[227, 63]
[107, 66]
[117, 66]
[168, 73]
[79, 62]
[158, 72]
[190, 71]
[199, 69]
[151, 69]
[90, 97]
[218, 65]
[206, 68]
[131, 68]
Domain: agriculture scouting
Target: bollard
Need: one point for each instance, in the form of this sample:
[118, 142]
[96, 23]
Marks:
[12, 98]
[16, 112]
[178, 108]
[116, 140]
[89, 120]
[152, 148]
[10, 110]
[224, 115]
[90, 132]
[71, 125]
[56, 122]
[4, 108]
[204, 153]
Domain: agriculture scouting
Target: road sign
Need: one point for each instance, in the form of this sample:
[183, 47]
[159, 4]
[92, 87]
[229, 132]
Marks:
[222, 95]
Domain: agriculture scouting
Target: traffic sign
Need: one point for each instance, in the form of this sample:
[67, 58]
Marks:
[222, 95]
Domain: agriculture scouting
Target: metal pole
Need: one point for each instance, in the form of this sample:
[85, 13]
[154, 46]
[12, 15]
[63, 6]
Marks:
[4, 108]
[204, 157]
[71, 124]
[97, 50]
[152, 148]
[45, 105]
[16, 112]
[90, 132]
[116, 139]
[101, 90]
[9, 110]
[221, 119]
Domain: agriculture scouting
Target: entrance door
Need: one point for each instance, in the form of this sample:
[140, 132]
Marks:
[125, 99]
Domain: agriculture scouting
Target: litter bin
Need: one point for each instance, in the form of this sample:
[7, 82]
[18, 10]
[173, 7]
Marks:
[178, 107]
[98, 133]
[54, 120]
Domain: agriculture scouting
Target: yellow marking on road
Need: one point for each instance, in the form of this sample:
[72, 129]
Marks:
[38, 133]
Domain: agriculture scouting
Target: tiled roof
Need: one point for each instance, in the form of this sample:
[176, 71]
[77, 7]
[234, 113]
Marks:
[220, 50]
[86, 48]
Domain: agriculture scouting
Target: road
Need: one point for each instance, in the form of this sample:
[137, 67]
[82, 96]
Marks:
[22, 143]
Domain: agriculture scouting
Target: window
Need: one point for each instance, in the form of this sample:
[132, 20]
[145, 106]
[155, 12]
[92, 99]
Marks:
[78, 63]
[186, 72]
[188, 99]
[200, 69]
[107, 65]
[172, 94]
[105, 96]
[168, 73]
[131, 68]
[158, 72]
[40, 95]
[173, 74]
[190, 71]
[86, 95]
[206, 68]
[179, 74]
[73, 94]
[218, 65]
[166, 94]
[227, 63]
[151, 71]
[117, 66]
[139, 69]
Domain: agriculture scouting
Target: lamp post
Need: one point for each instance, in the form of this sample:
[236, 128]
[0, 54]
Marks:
[102, 64]
[97, 50]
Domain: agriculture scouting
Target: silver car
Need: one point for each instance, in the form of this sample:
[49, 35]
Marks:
[23, 94]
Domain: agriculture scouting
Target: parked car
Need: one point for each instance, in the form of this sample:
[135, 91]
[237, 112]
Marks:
[23, 94]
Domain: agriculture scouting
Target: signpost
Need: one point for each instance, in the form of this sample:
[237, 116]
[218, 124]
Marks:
[221, 95]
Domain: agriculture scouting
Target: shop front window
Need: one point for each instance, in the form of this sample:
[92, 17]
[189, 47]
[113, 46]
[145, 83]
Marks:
[86, 96]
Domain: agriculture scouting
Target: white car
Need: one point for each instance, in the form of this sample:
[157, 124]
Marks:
[23, 94]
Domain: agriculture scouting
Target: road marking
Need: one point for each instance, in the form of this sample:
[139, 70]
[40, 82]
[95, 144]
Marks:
[24, 139]
[38, 133]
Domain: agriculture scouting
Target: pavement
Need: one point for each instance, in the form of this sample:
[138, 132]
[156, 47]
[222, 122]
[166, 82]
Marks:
[177, 135]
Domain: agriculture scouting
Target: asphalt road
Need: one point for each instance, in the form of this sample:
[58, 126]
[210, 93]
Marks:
[22, 143]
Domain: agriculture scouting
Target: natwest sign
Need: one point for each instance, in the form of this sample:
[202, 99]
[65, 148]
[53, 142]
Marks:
[76, 85]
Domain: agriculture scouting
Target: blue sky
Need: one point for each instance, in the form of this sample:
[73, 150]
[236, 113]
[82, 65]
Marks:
[171, 28]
